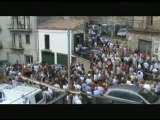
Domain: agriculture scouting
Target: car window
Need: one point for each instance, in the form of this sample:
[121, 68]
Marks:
[118, 94]
[38, 97]
[148, 95]
[133, 97]
[95, 27]
[123, 30]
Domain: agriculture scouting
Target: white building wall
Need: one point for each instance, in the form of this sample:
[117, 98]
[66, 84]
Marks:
[58, 41]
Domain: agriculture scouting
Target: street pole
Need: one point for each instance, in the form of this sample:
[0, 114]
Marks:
[69, 70]
[69, 56]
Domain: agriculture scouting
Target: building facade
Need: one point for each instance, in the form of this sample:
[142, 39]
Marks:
[54, 38]
[145, 34]
[18, 38]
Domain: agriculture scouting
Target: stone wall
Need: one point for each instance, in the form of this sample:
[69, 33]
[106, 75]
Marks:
[133, 39]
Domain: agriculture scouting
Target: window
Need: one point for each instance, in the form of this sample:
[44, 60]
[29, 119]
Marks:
[118, 94]
[20, 22]
[29, 59]
[150, 20]
[38, 97]
[13, 40]
[27, 39]
[28, 22]
[132, 97]
[47, 42]
[148, 95]
[12, 21]
[20, 41]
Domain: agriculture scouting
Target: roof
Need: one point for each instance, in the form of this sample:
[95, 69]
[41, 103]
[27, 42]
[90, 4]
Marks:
[126, 87]
[4, 85]
[15, 94]
[61, 24]
[24, 89]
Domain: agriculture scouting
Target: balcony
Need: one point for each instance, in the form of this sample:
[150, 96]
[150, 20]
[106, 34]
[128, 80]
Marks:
[13, 28]
[16, 47]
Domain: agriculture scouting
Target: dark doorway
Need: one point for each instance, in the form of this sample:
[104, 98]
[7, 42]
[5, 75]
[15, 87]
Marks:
[145, 46]
[78, 38]
[62, 59]
[47, 57]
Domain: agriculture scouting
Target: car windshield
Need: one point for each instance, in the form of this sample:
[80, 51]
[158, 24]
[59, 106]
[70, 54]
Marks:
[148, 95]
[96, 27]
[123, 30]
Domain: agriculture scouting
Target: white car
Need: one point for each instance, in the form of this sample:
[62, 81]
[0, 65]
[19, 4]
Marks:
[122, 32]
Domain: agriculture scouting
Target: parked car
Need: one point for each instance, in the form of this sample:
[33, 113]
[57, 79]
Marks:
[122, 32]
[95, 27]
[22, 95]
[86, 54]
[103, 28]
[106, 29]
[127, 94]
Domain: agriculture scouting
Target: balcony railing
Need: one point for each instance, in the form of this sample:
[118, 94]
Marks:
[15, 47]
[13, 28]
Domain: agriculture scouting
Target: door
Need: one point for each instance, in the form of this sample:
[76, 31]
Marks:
[145, 46]
[62, 59]
[78, 38]
[48, 57]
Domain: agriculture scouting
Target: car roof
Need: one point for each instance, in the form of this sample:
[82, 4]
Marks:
[123, 29]
[25, 89]
[125, 87]
[4, 85]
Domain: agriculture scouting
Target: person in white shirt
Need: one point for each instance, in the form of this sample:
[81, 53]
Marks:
[118, 70]
[88, 81]
[128, 82]
[78, 87]
[76, 100]
[147, 86]
[151, 67]
[99, 75]
[57, 85]
[140, 75]
[146, 65]
[139, 66]
[95, 77]
[131, 71]
[115, 81]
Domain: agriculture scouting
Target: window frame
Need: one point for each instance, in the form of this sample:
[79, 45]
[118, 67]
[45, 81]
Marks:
[29, 59]
[121, 96]
[28, 40]
[20, 40]
[38, 100]
[132, 95]
[47, 46]
[14, 40]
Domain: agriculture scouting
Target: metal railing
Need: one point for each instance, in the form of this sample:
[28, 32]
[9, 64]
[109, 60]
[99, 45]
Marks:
[19, 28]
[59, 98]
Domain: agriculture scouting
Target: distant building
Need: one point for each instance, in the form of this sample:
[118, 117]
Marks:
[145, 34]
[53, 40]
[18, 39]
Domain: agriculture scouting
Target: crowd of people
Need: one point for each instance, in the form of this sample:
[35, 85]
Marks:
[117, 64]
